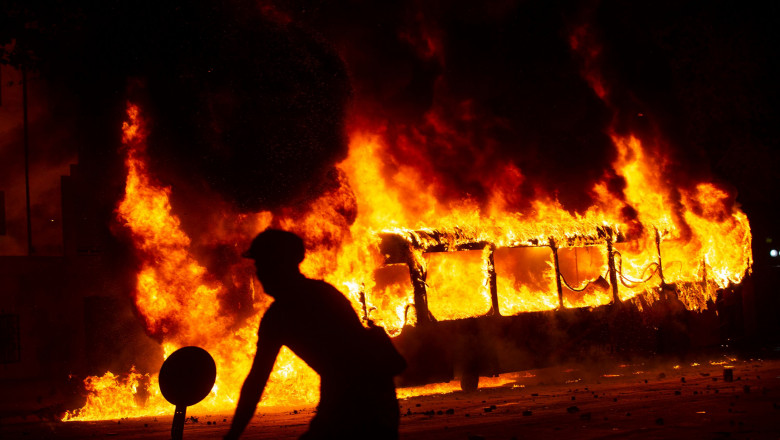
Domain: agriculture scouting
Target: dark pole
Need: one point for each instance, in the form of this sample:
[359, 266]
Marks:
[30, 249]
[558, 285]
[490, 250]
[660, 263]
[418, 272]
[612, 271]
[177, 427]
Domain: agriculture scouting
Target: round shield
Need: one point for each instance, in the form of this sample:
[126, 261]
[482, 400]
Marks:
[187, 376]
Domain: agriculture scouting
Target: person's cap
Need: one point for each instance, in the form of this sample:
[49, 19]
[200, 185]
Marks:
[276, 245]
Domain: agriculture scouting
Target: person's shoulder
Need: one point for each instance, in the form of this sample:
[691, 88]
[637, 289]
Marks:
[320, 285]
[273, 322]
[325, 291]
[272, 314]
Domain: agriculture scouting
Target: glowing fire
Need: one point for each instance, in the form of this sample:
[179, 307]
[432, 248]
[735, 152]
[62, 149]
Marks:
[180, 301]
[701, 241]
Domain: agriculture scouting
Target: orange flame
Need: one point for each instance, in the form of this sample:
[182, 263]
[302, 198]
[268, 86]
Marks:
[180, 302]
[704, 248]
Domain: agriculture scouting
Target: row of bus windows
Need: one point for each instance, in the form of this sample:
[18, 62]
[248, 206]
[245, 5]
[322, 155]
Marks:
[525, 278]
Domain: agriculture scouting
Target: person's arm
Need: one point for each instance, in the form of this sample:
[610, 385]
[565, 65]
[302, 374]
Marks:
[254, 384]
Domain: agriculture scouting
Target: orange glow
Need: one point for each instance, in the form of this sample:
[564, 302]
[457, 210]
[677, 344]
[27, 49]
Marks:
[180, 303]
[451, 387]
[700, 239]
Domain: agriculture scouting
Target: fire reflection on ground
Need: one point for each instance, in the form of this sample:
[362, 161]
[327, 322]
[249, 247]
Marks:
[662, 402]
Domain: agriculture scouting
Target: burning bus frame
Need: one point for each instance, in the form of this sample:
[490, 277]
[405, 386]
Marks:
[492, 343]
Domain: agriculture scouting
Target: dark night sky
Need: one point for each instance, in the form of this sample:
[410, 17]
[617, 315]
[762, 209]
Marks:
[252, 105]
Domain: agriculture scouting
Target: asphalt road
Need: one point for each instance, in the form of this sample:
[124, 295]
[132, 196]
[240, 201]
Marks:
[630, 401]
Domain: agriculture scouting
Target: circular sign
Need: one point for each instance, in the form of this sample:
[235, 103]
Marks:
[187, 376]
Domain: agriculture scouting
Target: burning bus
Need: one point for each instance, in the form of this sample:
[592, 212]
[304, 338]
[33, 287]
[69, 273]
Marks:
[529, 289]
[492, 335]
[482, 236]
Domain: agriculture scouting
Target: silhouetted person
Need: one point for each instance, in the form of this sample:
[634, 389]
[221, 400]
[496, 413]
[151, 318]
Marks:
[318, 323]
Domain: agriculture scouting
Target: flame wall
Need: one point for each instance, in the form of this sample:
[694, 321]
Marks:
[465, 158]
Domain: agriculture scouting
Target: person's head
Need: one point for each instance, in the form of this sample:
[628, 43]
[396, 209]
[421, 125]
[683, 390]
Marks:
[277, 255]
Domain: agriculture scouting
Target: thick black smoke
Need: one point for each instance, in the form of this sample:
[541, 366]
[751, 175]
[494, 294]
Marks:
[244, 115]
[696, 70]
[693, 79]
[499, 78]
[700, 78]
[253, 109]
